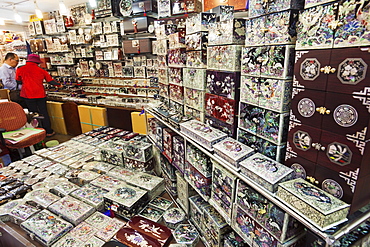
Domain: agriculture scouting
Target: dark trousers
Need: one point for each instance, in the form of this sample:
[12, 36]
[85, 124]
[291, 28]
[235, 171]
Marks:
[39, 106]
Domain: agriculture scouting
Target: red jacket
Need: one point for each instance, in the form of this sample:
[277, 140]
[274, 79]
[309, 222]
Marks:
[32, 78]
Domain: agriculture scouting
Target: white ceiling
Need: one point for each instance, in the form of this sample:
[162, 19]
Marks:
[27, 7]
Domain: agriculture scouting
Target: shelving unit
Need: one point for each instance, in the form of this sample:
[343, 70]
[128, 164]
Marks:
[330, 234]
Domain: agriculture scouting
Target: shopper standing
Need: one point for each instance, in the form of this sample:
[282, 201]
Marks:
[31, 76]
[7, 71]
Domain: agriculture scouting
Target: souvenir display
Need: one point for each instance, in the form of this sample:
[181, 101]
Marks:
[228, 32]
[176, 57]
[109, 229]
[198, 159]
[41, 197]
[136, 24]
[161, 203]
[177, 39]
[151, 229]
[196, 41]
[112, 153]
[107, 182]
[173, 217]
[265, 171]
[273, 29]
[137, 150]
[139, 166]
[183, 7]
[268, 93]
[153, 184]
[22, 212]
[64, 188]
[196, 211]
[126, 200]
[194, 98]
[184, 191]
[137, 46]
[168, 145]
[257, 7]
[194, 78]
[243, 225]
[268, 61]
[232, 239]
[221, 108]
[186, 234]
[224, 58]
[131, 237]
[176, 93]
[152, 213]
[164, 8]
[214, 226]
[202, 133]
[91, 195]
[46, 227]
[98, 220]
[198, 181]
[196, 59]
[199, 22]
[232, 151]
[319, 207]
[97, 166]
[71, 209]
[175, 76]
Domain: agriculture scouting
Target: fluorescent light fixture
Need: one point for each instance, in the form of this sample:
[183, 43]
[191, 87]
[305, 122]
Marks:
[62, 8]
[2, 22]
[38, 11]
[92, 3]
[17, 17]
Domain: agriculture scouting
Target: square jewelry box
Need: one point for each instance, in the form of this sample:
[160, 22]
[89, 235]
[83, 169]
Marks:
[126, 200]
[91, 195]
[71, 209]
[264, 171]
[46, 227]
[153, 184]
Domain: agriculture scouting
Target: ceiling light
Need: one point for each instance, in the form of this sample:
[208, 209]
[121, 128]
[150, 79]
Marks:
[17, 17]
[92, 3]
[2, 22]
[38, 11]
[62, 8]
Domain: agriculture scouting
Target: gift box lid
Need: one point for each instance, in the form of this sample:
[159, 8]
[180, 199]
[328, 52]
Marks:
[317, 198]
[125, 195]
[68, 240]
[66, 187]
[23, 211]
[134, 238]
[46, 226]
[151, 213]
[98, 220]
[146, 181]
[110, 229]
[233, 149]
[98, 166]
[71, 209]
[161, 203]
[150, 228]
[83, 231]
[121, 173]
[88, 175]
[90, 193]
[108, 182]
[5, 208]
[174, 215]
[266, 168]
[42, 197]
[203, 130]
[185, 234]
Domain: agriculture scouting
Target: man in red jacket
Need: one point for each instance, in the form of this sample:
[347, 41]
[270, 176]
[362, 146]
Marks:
[31, 76]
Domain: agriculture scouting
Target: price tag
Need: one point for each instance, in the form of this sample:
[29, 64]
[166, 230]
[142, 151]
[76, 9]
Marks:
[114, 207]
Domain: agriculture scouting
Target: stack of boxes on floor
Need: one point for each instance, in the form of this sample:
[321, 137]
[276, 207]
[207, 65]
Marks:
[225, 40]
[267, 68]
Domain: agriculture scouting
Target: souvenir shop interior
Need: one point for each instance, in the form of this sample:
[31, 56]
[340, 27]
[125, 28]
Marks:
[189, 123]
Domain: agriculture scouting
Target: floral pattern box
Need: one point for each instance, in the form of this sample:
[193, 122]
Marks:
[232, 151]
[265, 171]
[42, 197]
[71, 209]
[316, 205]
[22, 212]
[91, 195]
[153, 184]
[202, 133]
[46, 227]
[126, 200]
[186, 234]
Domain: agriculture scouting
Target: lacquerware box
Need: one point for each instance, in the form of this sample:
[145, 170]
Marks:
[196, 211]
[319, 207]
[91, 195]
[199, 22]
[265, 171]
[46, 227]
[153, 184]
[126, 200]
[231, 31]
[224, 58]
[194, 78]
[186, 234]
[202, 133]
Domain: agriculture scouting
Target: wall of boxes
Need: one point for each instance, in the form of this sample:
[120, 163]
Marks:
[277, 94]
